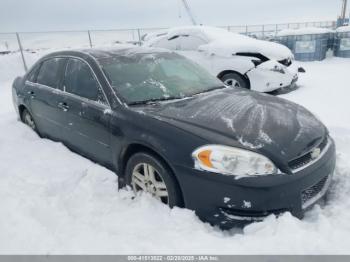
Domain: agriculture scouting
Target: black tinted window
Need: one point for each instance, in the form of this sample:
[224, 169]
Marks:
[49, 73]
[33, 74]
[80, 81]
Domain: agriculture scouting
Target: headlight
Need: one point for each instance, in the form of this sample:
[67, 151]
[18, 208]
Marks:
[232, 161]
[278, 69]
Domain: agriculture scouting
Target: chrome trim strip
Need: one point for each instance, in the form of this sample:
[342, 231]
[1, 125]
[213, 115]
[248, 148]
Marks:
[313, 161]
[242, 218]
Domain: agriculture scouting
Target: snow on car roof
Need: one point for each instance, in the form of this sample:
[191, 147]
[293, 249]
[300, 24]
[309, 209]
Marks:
[121, 50]
[343, 29]
[225, 43]
[208, 32]
[304, 31]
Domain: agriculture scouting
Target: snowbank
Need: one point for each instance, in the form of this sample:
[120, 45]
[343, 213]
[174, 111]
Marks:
[54, 201]
[343, 29]
[304, 31]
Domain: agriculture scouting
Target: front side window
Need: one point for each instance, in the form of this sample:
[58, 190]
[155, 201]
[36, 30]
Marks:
[50, 72]
[80, 81]
[171, 44]
[140, 78]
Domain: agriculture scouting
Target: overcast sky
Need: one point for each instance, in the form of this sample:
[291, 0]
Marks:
[40, 15]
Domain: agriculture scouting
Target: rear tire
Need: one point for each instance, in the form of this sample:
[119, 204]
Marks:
[235, 80]
[28, 119]
[145, 172]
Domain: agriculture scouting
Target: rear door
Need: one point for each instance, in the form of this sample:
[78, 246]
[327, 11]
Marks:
[43, 91]
[87, 111]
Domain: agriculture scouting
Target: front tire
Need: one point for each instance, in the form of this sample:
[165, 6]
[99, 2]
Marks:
[145, 172]
[235, 80]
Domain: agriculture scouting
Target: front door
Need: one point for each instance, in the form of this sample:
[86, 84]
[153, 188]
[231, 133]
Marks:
[87, 112]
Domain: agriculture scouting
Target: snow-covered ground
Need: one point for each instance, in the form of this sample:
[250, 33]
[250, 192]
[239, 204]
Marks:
[53, 201]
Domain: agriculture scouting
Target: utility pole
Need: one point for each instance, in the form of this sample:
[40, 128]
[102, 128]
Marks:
[343, 10]
[189, 12]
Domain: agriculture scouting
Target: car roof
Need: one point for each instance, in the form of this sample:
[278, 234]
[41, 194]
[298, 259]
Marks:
[99, 53]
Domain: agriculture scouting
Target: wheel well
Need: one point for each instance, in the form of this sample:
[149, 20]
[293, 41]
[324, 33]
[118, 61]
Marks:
[232, 71]
[137, 148]
[20, 110]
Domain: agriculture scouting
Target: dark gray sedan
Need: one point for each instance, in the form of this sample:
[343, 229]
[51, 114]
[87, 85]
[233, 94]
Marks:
[167, 127]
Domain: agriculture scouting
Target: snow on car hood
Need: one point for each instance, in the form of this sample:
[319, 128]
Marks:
[273, 126]
[235, 43]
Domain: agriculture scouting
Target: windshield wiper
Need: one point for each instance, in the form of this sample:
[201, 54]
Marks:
[154, 100]
[209, 90]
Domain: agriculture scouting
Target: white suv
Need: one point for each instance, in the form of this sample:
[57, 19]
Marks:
[237, 60]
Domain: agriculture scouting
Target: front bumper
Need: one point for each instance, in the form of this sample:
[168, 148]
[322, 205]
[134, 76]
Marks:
[227, 202]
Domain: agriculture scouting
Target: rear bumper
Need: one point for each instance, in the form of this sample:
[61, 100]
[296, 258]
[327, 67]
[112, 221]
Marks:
[227, 202]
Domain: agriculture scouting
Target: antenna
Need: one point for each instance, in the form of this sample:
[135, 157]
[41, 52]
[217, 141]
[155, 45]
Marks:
[189, 12]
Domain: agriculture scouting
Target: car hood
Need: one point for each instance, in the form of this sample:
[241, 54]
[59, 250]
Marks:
[280, 129]
[235, 44]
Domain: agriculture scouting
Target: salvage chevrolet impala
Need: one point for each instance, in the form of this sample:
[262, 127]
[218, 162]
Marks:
[169, 128]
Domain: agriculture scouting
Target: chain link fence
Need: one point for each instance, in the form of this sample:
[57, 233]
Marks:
[35, 41]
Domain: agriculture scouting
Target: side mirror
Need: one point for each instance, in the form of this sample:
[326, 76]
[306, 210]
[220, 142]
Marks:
[301, 70]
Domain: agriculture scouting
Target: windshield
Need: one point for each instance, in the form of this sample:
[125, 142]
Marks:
[140, 78]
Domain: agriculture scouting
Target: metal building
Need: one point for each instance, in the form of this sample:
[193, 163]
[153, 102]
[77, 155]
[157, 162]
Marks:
[307, 44]
[342, 42]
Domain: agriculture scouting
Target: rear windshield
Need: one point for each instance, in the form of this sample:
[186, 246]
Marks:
[162, 76]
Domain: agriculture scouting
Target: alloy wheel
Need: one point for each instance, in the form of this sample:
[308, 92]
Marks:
[232, 82]
[28, 120]
[146, 178]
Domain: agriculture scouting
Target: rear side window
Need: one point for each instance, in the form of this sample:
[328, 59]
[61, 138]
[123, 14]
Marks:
[50, 72]
[80, 81]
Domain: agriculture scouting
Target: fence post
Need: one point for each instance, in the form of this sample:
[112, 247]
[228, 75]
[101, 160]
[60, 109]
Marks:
[263, 32]
[90, 42]
[276, 30]
[246, 30]
[139, 35]
[21, 50]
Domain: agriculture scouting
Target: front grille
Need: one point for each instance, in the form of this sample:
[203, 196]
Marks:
[306, 158]
[308, 194]
[286, 62]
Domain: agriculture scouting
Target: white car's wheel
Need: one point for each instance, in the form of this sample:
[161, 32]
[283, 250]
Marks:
[235, 80]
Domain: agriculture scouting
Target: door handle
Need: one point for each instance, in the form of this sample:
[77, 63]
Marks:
[63, 106]
[31, 93]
